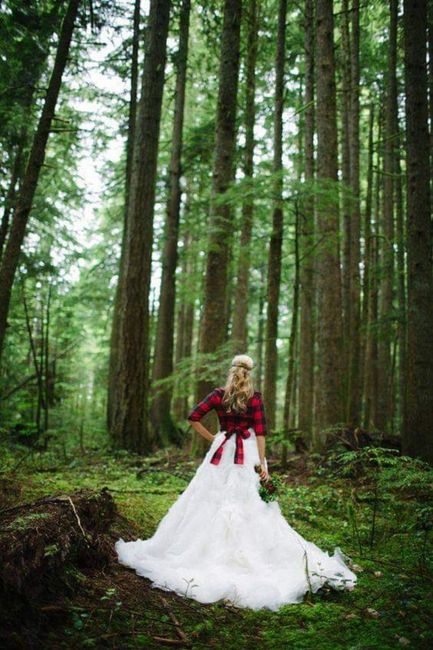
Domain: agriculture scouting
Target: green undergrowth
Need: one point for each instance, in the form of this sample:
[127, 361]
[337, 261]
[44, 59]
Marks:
[376, 507]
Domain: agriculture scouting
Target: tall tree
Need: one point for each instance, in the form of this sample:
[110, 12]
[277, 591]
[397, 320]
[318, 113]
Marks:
[276, 242]
[418, 425]
[387, 279]
[430, 72]
[289, 406]
[164, 428]
[185, 323]
[330, 398]
[354, 392]
[239, 330]
[132, 116]
[11, 193]
[345, 58]
[213, 325]
[35, 161]
[401, 276]
[306, 235]
[129, 426]
[367, 258]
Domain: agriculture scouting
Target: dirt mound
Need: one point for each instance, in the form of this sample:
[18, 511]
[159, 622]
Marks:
[44, 545]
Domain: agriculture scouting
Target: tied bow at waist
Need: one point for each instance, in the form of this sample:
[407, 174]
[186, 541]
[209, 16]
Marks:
[241, 435]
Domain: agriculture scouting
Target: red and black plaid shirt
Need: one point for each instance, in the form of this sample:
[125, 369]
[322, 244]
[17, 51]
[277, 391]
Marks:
[253, 417]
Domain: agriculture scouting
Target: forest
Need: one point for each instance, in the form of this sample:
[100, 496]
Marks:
[182, 181]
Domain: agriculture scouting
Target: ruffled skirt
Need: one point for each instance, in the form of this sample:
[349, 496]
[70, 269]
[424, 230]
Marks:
[220, 540]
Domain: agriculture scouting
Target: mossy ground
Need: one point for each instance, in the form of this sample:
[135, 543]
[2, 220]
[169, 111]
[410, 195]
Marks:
[114, 608]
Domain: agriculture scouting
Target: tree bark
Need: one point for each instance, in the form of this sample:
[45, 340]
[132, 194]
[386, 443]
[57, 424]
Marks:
[306, 241]
[276, 242]
[418, 426]
[27, 191]
[371, 355]
[330, 398]
[130, 427]
[185, 323]
[163, 425]
[387, 281]
[354, 391]
[346, 50]
[368, 260]
[430, 75]
[11, 193]
[401, 279]
[213, 326]
[260, 330]
[240, 330]
[290, 382]
[132, 116]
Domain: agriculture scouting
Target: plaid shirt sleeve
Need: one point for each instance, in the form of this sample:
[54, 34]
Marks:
[259, 416]
[203, 407]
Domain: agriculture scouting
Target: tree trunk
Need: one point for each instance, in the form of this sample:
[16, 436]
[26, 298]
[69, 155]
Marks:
[306, 237]
[346, 50]
[11, 193]
[354, 393]
[418, 426]
[27, 191]
[290, 382]
[276, 243]
[239, 331]
[371, 353]
[213, 326]
[387, 281]
[130, 422]
[185, 324]
[430, 74]
[367, 255]
[260, 331]
[115, 326]
[164, 428]
[330, 398]
[401, 279]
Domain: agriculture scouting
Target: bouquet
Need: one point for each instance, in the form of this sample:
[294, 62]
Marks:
[269, 488]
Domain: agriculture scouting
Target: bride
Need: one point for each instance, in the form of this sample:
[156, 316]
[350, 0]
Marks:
[220, 540]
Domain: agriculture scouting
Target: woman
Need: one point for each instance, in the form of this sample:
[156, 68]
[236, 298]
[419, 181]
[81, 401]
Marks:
[220, 540]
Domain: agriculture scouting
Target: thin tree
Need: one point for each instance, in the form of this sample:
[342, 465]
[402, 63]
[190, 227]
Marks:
[345, 57]
[367, 258]
[239, 330]
[276, 242]
[288, 416]
[372, 297]
[306, 240]
[430, 73]
[35, 161]
[387, 279]
[354, 389]
[401, 275]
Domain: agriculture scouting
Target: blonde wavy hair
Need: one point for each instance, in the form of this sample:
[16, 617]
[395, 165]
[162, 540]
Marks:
[239, 385]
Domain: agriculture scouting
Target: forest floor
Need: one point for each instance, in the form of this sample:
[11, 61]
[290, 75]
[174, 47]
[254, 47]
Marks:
[378, 513]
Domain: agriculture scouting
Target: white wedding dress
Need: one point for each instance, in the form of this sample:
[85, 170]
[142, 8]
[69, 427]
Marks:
[220, 540]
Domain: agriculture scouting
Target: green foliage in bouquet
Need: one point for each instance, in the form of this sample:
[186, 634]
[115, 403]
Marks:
[269, 490]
